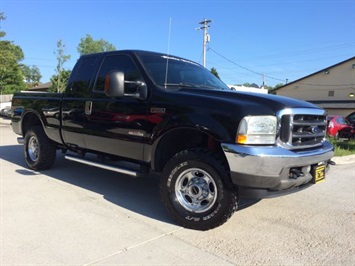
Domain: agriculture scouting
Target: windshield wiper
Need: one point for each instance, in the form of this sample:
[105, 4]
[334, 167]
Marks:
[179, 85]
[207, 87]
[188, 85]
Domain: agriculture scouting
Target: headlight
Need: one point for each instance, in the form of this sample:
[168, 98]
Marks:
[257, 130]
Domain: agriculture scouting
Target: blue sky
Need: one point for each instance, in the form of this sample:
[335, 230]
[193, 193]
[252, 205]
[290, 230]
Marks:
[283, 40]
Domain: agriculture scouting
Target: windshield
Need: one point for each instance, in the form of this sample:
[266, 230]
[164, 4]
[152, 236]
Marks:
[342, 121]
[169, 71]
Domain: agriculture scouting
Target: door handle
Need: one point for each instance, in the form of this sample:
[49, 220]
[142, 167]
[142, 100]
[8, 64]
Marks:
[88, 107]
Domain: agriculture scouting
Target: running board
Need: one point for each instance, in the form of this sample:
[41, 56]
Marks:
[103, 166]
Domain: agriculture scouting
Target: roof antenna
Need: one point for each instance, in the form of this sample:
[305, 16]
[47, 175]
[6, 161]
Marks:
[167, 58]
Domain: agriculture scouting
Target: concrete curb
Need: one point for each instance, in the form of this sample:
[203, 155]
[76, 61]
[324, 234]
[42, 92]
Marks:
[5, 121]
[344, 159]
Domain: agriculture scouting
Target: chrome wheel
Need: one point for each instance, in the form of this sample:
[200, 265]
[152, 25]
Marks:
[40, 151]
[33, 149]
[196, 190]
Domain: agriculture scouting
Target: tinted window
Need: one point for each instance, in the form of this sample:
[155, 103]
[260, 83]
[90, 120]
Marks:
[82, 74]
[120, 63]
[351, 117]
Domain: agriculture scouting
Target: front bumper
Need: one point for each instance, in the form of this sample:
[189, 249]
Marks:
[266, 171]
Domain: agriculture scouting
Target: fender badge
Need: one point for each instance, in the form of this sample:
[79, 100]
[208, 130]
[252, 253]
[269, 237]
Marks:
[135, 133]
[157, 110]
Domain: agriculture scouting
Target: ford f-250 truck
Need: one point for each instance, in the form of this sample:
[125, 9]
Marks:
[159, 112]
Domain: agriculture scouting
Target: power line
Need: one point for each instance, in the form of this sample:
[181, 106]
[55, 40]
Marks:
[301, 52]
[243, 67]
[39, 59]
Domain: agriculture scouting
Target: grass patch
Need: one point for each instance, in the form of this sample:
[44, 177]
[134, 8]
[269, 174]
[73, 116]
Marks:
[343, 147]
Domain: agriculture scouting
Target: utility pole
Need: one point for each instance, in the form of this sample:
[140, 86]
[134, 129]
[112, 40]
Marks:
[206, 37]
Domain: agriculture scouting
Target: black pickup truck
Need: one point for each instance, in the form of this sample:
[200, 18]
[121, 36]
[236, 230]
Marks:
[162, 113]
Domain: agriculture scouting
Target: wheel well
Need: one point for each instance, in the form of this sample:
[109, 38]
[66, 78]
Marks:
[28, 121]
[179, 140]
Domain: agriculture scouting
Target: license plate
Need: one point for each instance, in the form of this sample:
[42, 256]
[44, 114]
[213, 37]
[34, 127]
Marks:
[318, 173]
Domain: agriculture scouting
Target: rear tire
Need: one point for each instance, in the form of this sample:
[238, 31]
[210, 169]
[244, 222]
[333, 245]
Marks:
[40, 151]
[195, 190]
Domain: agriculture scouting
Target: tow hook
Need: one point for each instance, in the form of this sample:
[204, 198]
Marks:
[295, 173]
[331, 162]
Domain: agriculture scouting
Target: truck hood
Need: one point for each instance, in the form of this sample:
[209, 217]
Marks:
[262, 102]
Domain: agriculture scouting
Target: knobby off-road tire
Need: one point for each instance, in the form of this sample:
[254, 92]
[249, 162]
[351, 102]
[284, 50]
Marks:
[195, 190]
[40, 152]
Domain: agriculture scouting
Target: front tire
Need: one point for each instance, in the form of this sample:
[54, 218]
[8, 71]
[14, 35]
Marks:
[40, 151]
[195, 190]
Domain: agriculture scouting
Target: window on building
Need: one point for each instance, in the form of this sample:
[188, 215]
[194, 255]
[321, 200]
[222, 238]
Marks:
[330, 93]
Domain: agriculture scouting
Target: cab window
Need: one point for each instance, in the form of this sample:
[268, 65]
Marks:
[83, 72]
[120, 63]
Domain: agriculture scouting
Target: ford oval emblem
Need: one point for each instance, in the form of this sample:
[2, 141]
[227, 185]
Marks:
[315, 130]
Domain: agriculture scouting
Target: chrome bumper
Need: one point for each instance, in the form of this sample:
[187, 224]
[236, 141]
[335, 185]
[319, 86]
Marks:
[269, 167]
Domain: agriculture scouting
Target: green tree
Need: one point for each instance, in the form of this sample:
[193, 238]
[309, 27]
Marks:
[88, 45]
[2, 17]
[272, 90]
[214, 72]
[11, 76]
[64, 76]
[61, 80]
[32, 75]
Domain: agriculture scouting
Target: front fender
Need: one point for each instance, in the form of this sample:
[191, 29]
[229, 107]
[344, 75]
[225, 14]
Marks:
[200, 122]
[179, 134]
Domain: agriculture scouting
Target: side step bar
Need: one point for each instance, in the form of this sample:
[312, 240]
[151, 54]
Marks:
[104, 166]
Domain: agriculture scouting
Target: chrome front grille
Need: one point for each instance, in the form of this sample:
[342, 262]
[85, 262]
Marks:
[302, 128]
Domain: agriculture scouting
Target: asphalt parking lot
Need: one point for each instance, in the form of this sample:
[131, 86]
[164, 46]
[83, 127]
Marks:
[78, 215]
